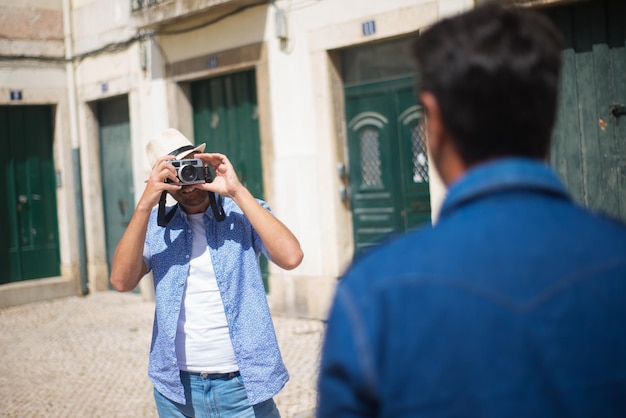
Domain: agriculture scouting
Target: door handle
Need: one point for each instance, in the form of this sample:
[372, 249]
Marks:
[122, 204]
[343, 193]
[618, 110]
[23, 199]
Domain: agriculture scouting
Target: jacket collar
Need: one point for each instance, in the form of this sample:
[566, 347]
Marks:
[502, 175]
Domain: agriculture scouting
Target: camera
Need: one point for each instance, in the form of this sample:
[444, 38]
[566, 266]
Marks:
[191, 171]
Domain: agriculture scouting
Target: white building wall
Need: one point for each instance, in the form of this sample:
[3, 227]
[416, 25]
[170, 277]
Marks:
[300, 111]
[32, 50]
[108, 62]
[308, 139]
[300, 134]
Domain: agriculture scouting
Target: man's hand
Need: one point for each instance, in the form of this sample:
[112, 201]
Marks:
[157, 183]
[226, 181]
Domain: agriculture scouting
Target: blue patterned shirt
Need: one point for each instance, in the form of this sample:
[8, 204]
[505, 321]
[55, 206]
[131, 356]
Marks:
[234, 246]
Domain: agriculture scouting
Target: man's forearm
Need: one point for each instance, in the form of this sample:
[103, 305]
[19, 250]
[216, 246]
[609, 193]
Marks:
[282, 246]
[128, 266]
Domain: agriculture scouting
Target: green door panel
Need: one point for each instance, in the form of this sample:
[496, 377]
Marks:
[566, 154]
[225, 116]
[373, 185]
[30, 249]
[118, 195]
[415, 204]
[10, 259]
[245, 121]
[389, 189]
[589, 147]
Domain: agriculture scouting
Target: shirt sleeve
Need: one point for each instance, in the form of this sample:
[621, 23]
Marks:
[147, 258]
[346, 382]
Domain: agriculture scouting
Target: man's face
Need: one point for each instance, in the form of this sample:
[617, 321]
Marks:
[191, 198]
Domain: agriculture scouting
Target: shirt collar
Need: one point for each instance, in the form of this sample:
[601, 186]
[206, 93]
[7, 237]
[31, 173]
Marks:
[184, 217]
[500, 175]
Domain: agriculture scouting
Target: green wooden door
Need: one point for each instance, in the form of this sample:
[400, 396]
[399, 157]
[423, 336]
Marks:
[388, 166]
[118, 195]
[412, 158]
[589, 148]
[29, 245]
[225, 116]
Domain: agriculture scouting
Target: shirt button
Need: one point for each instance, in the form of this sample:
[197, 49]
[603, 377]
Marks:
[176, 308]
[171, 335]
[174, 362]
[182, 283]
[187, 256]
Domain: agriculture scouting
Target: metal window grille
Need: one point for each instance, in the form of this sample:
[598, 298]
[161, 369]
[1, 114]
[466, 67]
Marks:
[371, 173]
[420, 157]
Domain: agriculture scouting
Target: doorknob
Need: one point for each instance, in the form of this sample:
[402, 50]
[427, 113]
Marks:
[22, 198]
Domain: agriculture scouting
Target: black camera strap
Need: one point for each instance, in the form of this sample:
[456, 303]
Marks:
[164, 218]
[216, 205]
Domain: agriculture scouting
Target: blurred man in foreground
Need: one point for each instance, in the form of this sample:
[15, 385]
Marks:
[513, 304]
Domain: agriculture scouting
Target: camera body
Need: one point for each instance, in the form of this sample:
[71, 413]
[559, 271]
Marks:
[191, 171]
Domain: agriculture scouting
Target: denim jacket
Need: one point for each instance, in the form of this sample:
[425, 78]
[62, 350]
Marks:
[234, 246]
[512, 305]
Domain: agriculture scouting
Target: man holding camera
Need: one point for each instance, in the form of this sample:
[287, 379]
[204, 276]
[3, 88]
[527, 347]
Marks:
[214, 350]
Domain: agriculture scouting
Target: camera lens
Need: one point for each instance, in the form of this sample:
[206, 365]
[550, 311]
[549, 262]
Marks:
[188, 174]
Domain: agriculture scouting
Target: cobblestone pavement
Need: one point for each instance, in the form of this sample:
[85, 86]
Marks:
[88, 357]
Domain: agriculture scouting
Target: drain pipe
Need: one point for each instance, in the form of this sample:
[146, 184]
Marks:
[73, 111]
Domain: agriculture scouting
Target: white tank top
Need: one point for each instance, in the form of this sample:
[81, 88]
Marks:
[202, 338]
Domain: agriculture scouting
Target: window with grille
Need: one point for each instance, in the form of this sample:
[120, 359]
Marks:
[371, 174]
[418, 148]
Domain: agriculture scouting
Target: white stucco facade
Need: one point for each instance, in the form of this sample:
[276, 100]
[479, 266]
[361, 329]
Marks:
[289, 43]
[300, 131]
[109, 50]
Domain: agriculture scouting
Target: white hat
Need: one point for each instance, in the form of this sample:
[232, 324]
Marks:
[170, 142]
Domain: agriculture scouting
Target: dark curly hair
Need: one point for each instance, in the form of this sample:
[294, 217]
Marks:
[495, 74]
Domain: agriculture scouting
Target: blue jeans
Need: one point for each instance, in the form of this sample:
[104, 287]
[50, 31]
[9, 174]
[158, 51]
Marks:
[212, 396]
